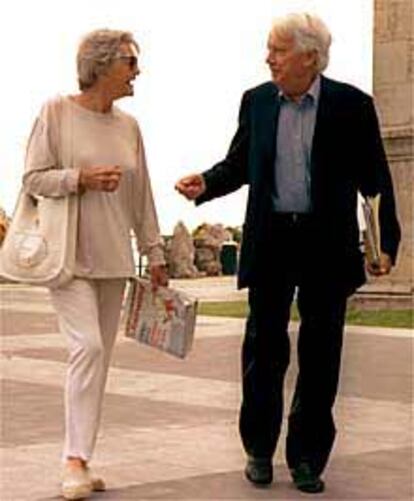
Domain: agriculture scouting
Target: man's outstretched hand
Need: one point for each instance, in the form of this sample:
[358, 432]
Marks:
[382, 268]
[191, 186]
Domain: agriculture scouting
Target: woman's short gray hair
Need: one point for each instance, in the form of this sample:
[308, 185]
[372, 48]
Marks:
[96, 52]
[309, 32]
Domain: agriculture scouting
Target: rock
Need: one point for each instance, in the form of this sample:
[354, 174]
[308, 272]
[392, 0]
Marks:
[208, 240]
[207, 258]
[181, 254]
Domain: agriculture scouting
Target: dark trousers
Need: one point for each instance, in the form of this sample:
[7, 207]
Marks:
[291, 265]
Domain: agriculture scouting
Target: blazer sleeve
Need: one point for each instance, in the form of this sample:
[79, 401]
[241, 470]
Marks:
[232, 172]
[375, 177]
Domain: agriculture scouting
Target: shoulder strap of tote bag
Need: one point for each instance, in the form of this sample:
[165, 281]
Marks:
[40, 245]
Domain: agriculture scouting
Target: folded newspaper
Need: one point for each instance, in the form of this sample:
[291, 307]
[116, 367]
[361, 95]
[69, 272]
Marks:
[164, 319]
[372, 234]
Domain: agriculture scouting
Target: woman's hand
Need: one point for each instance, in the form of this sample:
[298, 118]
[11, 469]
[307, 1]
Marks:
[159, 276]
[100, 178]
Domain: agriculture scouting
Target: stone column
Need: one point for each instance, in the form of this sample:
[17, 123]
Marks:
[393, 91]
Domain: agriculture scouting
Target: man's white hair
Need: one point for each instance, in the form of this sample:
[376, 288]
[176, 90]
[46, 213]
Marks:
[97, 51]
[309, 33]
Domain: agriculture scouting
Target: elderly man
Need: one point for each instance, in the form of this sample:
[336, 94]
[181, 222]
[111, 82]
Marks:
[305, 145]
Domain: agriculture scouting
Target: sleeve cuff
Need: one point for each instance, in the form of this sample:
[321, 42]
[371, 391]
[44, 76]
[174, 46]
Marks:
[156, 256]
[71, 180]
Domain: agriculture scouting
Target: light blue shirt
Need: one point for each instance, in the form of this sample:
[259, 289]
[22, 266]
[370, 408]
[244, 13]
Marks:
[292, 190]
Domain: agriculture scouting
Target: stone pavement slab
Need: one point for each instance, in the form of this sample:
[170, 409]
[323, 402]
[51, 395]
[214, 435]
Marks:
[169, 429]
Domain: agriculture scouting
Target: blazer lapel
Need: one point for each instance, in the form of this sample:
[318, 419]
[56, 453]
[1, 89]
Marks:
[321, 133]
[321, 118]
[268, 113]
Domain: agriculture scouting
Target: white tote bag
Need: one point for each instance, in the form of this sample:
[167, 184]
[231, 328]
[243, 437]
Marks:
[40, 244]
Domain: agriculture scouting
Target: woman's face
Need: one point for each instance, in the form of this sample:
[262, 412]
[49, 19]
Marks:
[121, 73]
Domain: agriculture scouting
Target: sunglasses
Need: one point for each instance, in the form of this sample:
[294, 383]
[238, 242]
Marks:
[132, 61]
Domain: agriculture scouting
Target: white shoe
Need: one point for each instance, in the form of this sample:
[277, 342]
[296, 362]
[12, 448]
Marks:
[76, 483]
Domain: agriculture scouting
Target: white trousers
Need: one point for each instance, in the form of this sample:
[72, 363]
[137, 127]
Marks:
[88, 312]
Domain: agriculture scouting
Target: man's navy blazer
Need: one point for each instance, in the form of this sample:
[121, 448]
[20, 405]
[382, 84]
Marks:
[347, 157]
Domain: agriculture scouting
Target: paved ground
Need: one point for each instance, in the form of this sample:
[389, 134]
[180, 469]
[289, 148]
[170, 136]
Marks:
[169, 428]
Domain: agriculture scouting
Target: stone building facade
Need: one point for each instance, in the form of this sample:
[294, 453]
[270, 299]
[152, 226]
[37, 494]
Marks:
[393, 91]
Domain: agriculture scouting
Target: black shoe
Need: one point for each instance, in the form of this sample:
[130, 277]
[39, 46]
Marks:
[305, 480]
[259, 471]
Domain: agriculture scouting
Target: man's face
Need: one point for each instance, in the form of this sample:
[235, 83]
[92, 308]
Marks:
[290, 68]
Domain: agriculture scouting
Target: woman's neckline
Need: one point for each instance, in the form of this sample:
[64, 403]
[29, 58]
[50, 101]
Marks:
[93, 113]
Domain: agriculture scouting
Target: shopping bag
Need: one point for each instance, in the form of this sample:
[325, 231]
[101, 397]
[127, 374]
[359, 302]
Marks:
[40, 245]
[164, 319]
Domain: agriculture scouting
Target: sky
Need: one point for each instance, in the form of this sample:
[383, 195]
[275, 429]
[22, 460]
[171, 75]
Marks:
[197, 58]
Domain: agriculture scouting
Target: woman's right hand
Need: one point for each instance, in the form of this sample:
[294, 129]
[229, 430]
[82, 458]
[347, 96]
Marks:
[100, 178]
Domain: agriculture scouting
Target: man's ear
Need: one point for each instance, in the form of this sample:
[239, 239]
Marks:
[311, 58]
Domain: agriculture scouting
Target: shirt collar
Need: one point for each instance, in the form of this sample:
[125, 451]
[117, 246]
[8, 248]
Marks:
[313, 91]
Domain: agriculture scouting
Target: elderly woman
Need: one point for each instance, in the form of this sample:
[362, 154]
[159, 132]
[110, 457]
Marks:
[109, 174]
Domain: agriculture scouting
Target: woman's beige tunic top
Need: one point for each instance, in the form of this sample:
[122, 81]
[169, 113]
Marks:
[105, 218]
